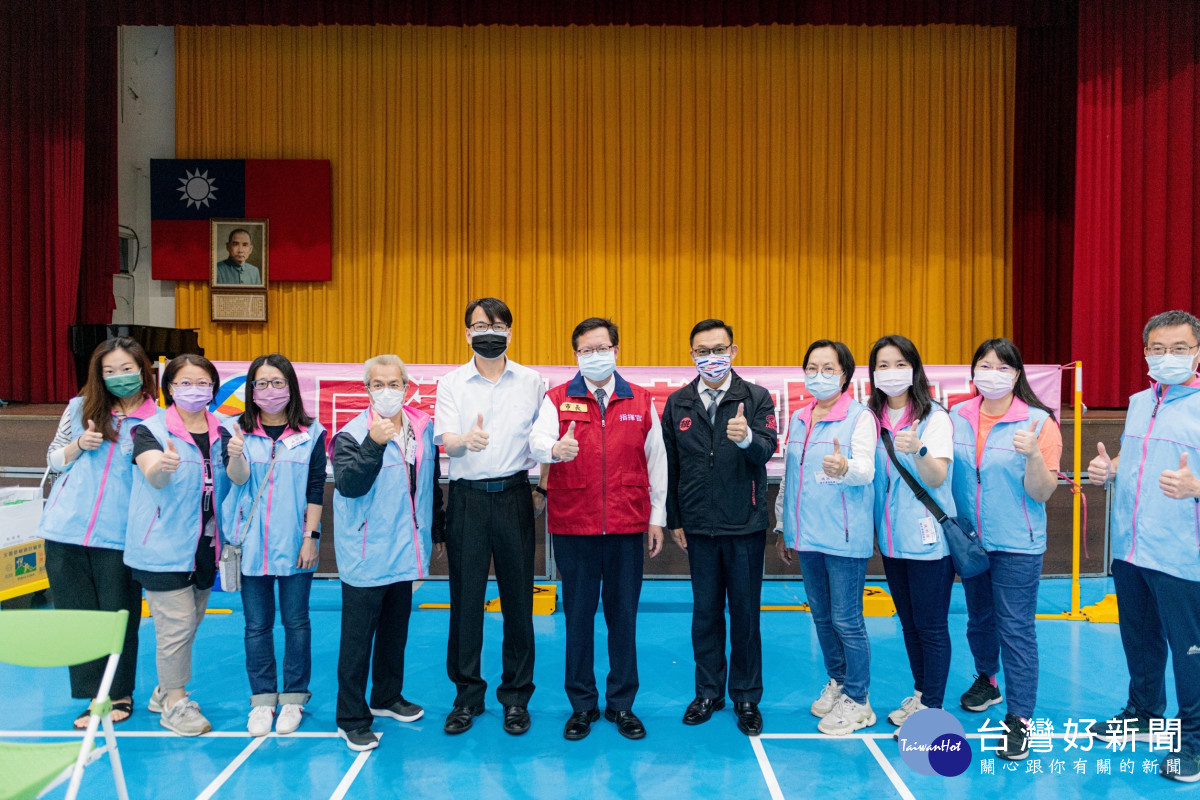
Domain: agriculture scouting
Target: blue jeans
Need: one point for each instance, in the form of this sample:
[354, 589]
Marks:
[1001, 612]
[834, 588]
[921, 591]
[258, 601]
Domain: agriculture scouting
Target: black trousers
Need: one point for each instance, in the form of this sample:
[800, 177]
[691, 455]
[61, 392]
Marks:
[373, 618]
[485, 528]
[595, 567]
[96, 579]
[727, 568]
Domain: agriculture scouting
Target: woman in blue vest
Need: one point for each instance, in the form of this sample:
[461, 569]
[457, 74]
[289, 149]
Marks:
[827, 501]
[172, 540]
[1006, 452]
[275, 459]
[84, 520]
[916, 558]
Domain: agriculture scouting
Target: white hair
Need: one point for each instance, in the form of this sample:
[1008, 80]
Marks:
[385, 360]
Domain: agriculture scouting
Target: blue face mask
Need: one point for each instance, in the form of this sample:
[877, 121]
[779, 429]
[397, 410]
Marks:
[823, 387]
[1171, 369]
[596, 367]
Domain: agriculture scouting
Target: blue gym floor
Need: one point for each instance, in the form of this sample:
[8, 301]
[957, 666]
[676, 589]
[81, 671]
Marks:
[1082, 675]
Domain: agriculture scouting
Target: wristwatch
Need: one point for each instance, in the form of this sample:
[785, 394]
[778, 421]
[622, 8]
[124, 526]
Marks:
[922, 452]
[540, 490]
[312, 534]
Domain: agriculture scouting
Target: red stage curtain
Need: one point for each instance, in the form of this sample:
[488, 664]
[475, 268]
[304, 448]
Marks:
[100, 258]
[1137, 223]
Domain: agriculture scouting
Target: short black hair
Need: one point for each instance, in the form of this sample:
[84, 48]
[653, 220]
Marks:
[709, 325]
[591, 324]
[844, 356]
[179, 362]
[297, 417]
[229, 238]
[1170, 319]
[495, 309]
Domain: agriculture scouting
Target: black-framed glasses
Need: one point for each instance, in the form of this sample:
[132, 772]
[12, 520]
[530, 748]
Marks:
[587, 351]
[1175, 350]
[704, 352]
[483, 327]
[278, 383]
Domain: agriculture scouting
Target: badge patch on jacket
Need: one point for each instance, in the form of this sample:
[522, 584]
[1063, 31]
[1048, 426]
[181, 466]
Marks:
[578, 408]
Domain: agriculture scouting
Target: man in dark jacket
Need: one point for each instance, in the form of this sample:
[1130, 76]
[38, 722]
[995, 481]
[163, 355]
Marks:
[719, 433]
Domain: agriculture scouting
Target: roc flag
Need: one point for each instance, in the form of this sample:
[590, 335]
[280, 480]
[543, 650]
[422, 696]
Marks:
[292, 194]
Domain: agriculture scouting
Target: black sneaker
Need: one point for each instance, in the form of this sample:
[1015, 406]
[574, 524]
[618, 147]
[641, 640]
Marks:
[1016, 741]
[401, 710]
[1182, 766]
[1130, 725]
[981, 695]
[360, 739]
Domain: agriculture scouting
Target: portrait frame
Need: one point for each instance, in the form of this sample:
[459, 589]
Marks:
[259, 259]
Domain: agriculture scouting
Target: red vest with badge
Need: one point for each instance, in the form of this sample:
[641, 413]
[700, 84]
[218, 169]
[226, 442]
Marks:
[606, 488]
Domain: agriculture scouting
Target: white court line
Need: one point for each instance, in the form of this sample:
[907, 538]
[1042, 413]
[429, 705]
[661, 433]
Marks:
[887, 768]
[349, 777]
[1079, 737]
[764, 764]
[168, 735]
[226, 773]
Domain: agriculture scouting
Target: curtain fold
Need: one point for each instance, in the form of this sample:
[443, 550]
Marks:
[1137, 229]
[798, 182]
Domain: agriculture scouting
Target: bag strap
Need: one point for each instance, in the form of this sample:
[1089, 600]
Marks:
[263, 485]
[920, 491]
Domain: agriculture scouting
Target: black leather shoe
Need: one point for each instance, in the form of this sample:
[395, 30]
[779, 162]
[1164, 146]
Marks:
[516, 720]
[460, 719]
[749, 718]
[701, 710]
[580, 724]
[628, 725]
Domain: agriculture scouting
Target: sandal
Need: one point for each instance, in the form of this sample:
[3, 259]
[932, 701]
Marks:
[125, 706]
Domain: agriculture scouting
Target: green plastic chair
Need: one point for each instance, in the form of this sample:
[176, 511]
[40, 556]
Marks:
[61, 639]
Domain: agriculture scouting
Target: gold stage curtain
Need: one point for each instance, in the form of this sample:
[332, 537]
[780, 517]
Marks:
[798, 182]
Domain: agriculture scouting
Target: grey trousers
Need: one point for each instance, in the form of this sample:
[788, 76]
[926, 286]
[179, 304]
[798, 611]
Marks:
[177, 614]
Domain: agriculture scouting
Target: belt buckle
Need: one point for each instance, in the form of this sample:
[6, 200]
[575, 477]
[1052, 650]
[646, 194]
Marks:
[494, 486]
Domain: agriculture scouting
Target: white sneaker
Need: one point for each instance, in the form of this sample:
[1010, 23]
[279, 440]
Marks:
[828, 699]
[260, 720]
[847, 717]
[157, 698]
[289, 718]
[185, 719]
[910, 706]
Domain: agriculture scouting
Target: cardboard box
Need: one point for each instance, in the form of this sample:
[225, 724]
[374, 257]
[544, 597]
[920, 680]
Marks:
[22, 566]
[22, 554]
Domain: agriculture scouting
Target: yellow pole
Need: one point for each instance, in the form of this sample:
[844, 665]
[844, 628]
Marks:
[1077, 497]
[162, 366]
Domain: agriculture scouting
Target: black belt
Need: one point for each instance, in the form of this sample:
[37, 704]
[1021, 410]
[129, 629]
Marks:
[497, 485]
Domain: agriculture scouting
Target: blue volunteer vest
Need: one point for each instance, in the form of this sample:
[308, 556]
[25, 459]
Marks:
[271, 541]
[89, 504]
[993, 494]
[898, 512]
[385, 536]
[818, 514]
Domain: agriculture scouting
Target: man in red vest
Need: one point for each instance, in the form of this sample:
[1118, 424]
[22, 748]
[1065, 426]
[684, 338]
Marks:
[606, 489]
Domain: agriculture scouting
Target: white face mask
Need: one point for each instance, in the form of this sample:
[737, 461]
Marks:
[894, 382]
[596, 367]
[1170, 368]
[388, 402]
[994, 384]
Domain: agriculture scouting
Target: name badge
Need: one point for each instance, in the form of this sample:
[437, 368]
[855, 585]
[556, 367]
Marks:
[410, 451]
[826, 480]
[929, 530]
[295, 440]
[578, 408]
[127, 447]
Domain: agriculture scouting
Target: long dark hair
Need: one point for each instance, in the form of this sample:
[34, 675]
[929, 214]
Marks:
[296, 415]
[98, 401]
[1007, 352]
[179, 362]
[844, 356]
[919, 395]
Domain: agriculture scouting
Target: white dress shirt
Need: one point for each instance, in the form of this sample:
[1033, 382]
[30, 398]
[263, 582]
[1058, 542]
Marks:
[707, 399]
[509, 407]
[545, 436]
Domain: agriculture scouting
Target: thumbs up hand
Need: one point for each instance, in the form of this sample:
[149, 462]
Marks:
[1025, 442]
[383, 431]
[236, 443]
[1179, 484]
[835, 464]
[907, 440]
[477, 438]
[92, 439]
[737, 429]
[169, 462]
[566, 448]
[1100, 470]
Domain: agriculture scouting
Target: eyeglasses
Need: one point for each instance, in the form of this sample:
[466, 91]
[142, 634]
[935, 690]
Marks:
[379, 386]
[498, 327]
[1003, 370]
[278, 383]
[1176, 350]
[587, 351]
[828, 372]
[702, 352]
[185, 384]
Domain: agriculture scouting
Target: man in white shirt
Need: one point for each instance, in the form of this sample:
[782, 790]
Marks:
[606, 489]
[485, 411]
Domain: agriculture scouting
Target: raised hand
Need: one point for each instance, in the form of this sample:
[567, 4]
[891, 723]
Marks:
[566, 448]
[92, 438]
[1179, 484]
[169, 462]
[1025, 442]
[737, 429]
[383, 431]
[907, 441]
[477, 438]
[237, 443]
[1100, 470]
[835, 464]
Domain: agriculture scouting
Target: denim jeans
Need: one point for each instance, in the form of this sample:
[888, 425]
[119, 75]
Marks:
[834, 588]
[1002, 609]
[258, 600]
[921, 591]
